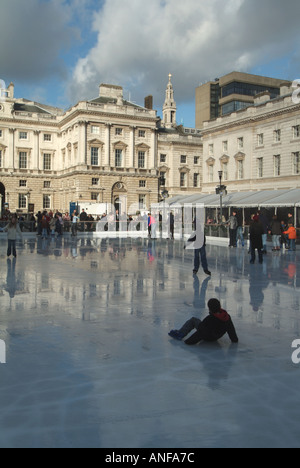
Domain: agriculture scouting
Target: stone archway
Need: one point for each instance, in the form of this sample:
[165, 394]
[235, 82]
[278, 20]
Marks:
[119, 197]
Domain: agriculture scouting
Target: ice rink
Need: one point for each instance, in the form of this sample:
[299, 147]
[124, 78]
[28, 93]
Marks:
[89, 362]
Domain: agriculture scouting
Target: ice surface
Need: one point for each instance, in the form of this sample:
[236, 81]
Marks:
[90, 363]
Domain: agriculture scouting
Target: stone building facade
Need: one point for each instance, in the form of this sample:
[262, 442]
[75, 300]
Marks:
[107, 150]
[257, 148]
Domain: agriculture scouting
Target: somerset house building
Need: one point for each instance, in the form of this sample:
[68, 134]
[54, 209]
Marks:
[106, 150]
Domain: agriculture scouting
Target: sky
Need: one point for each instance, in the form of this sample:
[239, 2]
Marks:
[57, 52]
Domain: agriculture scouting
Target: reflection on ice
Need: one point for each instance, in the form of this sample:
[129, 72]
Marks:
[90, 363]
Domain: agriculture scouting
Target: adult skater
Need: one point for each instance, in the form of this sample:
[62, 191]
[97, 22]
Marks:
[200, 257]
[213, 327]
[256, 239]
[12, 229]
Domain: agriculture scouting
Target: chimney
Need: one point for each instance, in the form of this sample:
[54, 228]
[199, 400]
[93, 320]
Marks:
[149, 102]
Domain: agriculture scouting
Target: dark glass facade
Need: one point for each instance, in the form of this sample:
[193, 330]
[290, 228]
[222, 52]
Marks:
[247, 89]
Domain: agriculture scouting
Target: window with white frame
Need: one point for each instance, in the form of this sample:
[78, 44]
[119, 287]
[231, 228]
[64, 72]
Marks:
[163, 158]
[119, 131]
[22, 160]
[22, 201]
[183, 159]
[196, 160]
[240, 169]
[95, 156]
[46, 202]
[23, 136]
[95, 130]
[225, 170]
[94, 196]
[260, 139]
[183, 179]
[118, 158]
[95, 181]
[141, 159]
[1, 160]
[240, 143]
[142, 183]
[210, 173]
[225, 146]
[47, 137]
[47, 184]
[47, 162]
[142, 202]
[196, 180]
[23, 183]
[211, 149]
[277, 136]
[260, 167]
[296, 163]
[142, 133]
[296, 131]
[277, 164]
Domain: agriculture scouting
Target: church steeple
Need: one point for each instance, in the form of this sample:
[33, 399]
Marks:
[169, 108]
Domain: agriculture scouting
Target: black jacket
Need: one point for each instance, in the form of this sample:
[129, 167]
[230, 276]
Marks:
[214, 327]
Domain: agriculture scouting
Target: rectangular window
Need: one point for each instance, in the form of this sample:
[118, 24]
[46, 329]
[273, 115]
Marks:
[142, 133]
[211, 150]
[46, 202]
[142, 202]
[119, 131]
[47, 184]
[296, 163]
[196, 180]
[196, 160]
[225, 170]
[260, 139]
[1, 162]
[47, 137]
[277, 136]
[22, 160]
[141, 159]
[277, 165]
[22, 201]
[182, 179]
[240, 170]
[47, 162]
[211, 173]
[183, 159]
[142, 183]
[118, 158]
[23, 183]
[95, 130]
[95, 156]
[296, 131]
[23, 135]
[95, 181]
[240, 143]
[260, 167]
[163, 158]
[94, 196]
[225, 147]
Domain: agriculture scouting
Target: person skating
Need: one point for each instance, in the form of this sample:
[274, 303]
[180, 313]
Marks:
[200, 257]
[12, 229]
[213, 327]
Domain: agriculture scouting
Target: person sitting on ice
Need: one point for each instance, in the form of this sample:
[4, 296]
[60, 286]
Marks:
[213, 327]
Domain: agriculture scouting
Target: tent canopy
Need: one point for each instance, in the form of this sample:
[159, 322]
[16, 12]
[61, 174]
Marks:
[263, 198]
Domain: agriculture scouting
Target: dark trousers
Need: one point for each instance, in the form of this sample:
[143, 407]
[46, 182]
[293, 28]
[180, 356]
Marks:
[200, 254]
[232, 236]
[11, 247]
[260, 255]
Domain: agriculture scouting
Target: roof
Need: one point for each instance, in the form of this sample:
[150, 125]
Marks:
[263, 198]
[31, 108]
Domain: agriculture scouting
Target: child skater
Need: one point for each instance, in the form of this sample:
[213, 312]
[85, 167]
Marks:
[213, 327]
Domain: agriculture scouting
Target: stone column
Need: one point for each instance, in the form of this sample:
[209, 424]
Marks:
[11, 149]
[107, 146]
[131, 148]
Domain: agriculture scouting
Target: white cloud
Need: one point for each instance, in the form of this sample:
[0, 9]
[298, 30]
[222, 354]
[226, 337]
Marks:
[140, 43]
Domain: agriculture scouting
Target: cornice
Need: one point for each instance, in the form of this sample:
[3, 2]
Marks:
[250, 120]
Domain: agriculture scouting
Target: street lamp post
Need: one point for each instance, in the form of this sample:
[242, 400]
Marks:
[221, 190]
